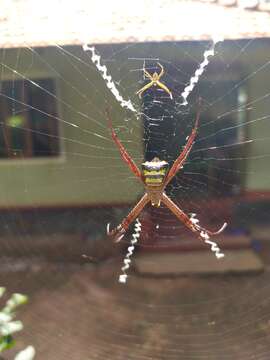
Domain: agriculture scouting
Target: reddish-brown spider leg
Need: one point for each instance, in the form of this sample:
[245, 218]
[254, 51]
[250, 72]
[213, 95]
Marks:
[192, 224]
[184, 154]
[120, 230]
[124, 154]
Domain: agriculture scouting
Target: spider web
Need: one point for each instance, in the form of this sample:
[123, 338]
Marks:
[227, 169]
[167, 123]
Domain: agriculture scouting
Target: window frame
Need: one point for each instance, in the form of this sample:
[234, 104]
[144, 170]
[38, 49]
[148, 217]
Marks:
[36, 160]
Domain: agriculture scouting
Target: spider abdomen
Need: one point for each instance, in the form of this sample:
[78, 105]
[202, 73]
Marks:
[154, 178]
[154, 172]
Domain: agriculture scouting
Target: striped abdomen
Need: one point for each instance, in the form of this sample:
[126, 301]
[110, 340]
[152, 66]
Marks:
[154, 172]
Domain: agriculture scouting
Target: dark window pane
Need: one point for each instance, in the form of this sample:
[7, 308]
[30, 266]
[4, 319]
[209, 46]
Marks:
[27, 118]
[167, 138]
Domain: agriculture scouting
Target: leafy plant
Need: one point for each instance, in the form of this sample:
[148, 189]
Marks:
[9, 326]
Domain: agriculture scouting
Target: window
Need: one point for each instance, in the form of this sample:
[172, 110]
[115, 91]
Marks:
[28, 126]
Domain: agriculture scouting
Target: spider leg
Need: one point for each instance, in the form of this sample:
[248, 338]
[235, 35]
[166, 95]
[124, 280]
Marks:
[147, 86]
[184, 154]
[164, 87]
[125, 156]
[190, 223]
[162, 71]
[147, 74]
[120, 230]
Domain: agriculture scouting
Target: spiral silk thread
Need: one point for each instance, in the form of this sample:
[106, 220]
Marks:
[108, 79]
[127, 261]
[194, 79]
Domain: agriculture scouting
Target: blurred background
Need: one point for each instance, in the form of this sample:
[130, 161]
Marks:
[63, 180]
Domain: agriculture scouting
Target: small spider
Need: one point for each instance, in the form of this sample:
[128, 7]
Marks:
[155, 177]
[154, 82]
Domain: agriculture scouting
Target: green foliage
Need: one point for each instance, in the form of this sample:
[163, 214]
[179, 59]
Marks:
[6, 342]
[8, 326]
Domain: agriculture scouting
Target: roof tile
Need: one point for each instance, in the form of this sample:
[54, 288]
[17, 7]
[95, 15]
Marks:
[32, 23]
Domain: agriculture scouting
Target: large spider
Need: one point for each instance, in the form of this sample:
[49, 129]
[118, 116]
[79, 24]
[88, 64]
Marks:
[154, 81]
[155, 177]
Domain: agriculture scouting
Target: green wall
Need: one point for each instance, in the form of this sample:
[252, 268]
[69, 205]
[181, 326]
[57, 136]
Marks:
[90, 171]
[84, 174]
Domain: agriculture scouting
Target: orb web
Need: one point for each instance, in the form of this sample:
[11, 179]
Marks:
[66, 159]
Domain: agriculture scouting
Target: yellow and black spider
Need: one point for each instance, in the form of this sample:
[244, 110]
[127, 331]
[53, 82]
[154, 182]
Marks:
[154, 81]
[155, 177]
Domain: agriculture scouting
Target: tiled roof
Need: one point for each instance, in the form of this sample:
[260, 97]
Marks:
[43, 23]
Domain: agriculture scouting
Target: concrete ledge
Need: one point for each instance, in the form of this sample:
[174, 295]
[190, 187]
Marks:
[199, 262]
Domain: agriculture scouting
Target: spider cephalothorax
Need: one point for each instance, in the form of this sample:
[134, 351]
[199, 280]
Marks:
[155, 176]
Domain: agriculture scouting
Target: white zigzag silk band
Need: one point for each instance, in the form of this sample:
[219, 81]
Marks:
[127, 261]
[108, 79]
[194, 79]
[214, 246]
